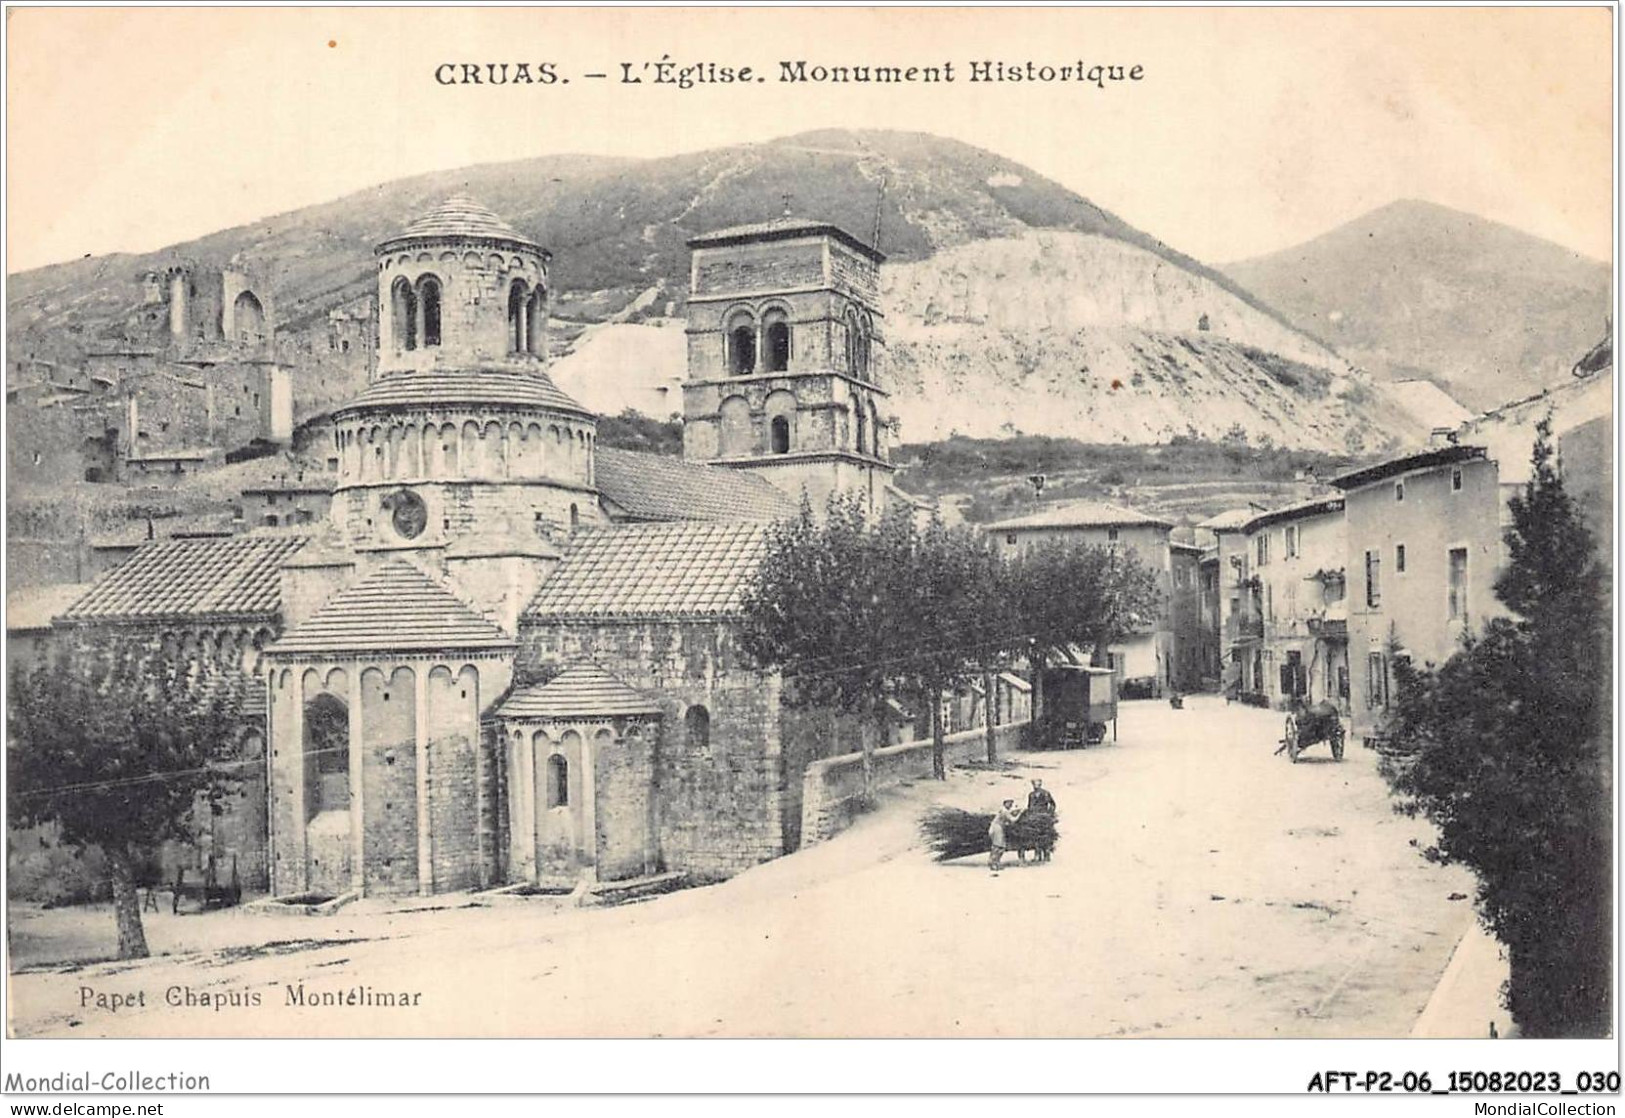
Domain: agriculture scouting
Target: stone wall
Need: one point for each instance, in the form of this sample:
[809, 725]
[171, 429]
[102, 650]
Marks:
[719, 796]
[832, 789]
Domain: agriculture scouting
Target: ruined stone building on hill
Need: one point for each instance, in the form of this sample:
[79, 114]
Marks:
[509, 655]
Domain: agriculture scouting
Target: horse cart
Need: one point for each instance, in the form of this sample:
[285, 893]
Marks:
[1309, 724]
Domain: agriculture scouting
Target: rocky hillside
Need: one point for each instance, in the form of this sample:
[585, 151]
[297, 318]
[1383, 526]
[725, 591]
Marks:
[1419, 290]
[1025, 304]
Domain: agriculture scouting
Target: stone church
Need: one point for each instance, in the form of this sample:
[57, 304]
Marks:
[510, 655]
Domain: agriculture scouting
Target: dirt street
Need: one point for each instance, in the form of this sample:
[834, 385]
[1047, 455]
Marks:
[1202, 888]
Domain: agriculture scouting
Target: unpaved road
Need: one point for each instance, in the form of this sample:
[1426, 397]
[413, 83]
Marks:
[1202, 888]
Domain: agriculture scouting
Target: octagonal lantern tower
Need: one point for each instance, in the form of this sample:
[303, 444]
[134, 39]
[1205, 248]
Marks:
[462, 432]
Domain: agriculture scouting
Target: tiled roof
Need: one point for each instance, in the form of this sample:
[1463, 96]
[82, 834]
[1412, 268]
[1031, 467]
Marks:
[1082, 514]
[461, 216]
[661, 487]
[1427, 459]
[583, 688]
[234, 576]
[1230, 520]
[782, 228]
[397, 607]
[34, 607]
[1317, 507]
[682, 569]
[463, 386]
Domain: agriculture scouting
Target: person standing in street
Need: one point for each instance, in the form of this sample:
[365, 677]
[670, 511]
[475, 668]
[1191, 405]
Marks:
[1040, 802]
[1002, 819]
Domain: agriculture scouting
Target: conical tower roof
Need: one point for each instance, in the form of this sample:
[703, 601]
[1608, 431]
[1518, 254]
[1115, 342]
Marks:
[461, 217]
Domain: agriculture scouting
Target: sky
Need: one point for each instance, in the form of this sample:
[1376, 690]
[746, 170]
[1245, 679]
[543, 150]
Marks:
[1250, 130]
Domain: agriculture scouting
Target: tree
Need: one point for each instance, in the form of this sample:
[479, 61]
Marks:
[949, 618]
[116, 747]
[1063, 594]
[823, 609]
[1506, 748]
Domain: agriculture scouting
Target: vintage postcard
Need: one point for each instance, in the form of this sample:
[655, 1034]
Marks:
[808, 523]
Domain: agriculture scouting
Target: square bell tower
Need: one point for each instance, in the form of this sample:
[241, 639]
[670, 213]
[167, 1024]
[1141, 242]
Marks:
[785, 356]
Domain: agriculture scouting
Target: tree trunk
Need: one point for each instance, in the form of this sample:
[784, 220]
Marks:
[867, 742]
[988, 707]
[939, 763]
[132, 940]
[1035, 665]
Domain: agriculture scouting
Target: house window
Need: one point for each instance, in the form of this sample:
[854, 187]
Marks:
[697, 723]
[558, 781]
[1373, 579]
[1376, 682]
[1399, 558]
[1291, 541]
[1455, 479]
[1261, 548]
[1399, 490]
[1111, 534]
[1010, 538]
[1457, 591]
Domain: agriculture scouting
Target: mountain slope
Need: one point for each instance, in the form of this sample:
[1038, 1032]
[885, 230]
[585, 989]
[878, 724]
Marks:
[1055, 284]
[1417, 289]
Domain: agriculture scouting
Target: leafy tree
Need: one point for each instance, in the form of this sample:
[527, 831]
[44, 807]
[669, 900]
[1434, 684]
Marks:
[116, 748]
[1506, 747]
[823, 610]
[949, 618]
[1062, 594]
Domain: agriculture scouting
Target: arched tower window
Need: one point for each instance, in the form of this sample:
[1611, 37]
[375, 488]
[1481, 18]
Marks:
[781, 435]
[697, 724]
[403, 306]
[776, 340]
[536, 321]
[857, 411]
[429, 304]
[558, 781]
[249, 317]
[516, 317]
[875, 430]
[741, 344]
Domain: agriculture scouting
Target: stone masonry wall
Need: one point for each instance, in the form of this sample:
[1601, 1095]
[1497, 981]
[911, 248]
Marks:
[719, 802]
[833, 788]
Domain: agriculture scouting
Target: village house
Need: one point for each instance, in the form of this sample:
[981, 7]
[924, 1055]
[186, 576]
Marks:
[1236, 626]
[507, 654]
[1147, 661]
[1296, 559]
[1426, 531]
[1424, 544]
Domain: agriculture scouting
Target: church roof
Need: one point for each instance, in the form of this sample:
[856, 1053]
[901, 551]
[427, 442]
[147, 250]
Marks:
[582, 688]
[661, 487]
[783, 229]
[461, 216]
[463, 386]
[691, 568]
[233, 576]
[1082, 514]
[396, 608]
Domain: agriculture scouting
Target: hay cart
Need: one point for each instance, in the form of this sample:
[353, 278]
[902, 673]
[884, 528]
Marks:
[1077, 704]
[1309, 724]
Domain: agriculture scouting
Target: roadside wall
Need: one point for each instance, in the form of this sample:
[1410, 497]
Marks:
[832, 790]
